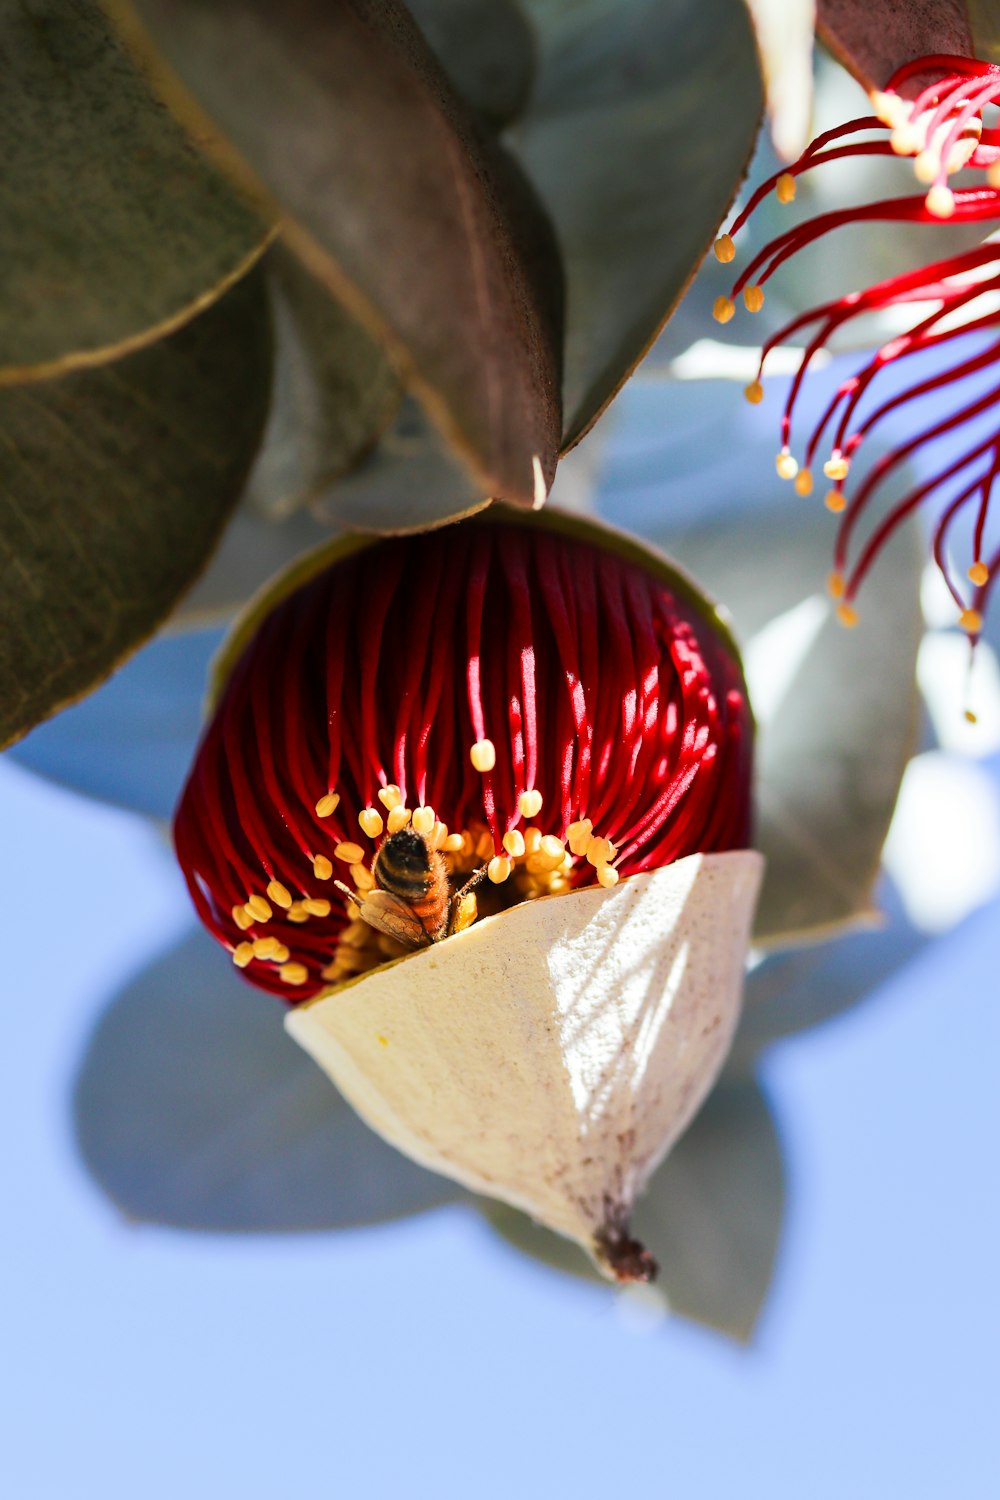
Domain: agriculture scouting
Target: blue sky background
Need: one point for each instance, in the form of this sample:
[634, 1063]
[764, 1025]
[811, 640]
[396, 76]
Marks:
[425, 1357]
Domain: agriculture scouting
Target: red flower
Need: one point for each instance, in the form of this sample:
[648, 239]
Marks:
[943, 129]
[528, 694]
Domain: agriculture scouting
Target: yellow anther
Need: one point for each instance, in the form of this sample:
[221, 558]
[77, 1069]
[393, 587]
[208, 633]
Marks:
[397, 819]
[423, 820]
[390, 796]
[438, 836]
[552, 850]
[754, 392]
[890, 108]
[259, 909]
[607, 876]
[242, 918]
[362, 877]
[370, 821]
[906, 139]
[294, 973]
[322, 868]
[532, 840]
[242, 955]
[483, 755]
[316, 906]
[297, 912]
[979, 574]
[265, 947]
[837, 468]
[926, 167]
[725, 249]
[785, 464]
[940, 201]
[351, 854]
[847, 616]
[358, 934]
[513, 842]
[498, 869]
[530, 804]
[327, 805]
[281, 954]
[453, 843]
[835, 585]
[467, 911]
[600, 852]
[279, 894]
[803, 482]
[333, 972]
[993, 174]
[970, 717]
[753, 298]
[723, 309]
[784, 188]
[835, 501]
[971, 620]
[578, 836]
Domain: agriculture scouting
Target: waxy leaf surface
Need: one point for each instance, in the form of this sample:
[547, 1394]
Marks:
[116, 484]
[334, 392]
[193, 1108]
[400, 203]
[639, 129]
[487, 49]
[873, 40]
[112, 226]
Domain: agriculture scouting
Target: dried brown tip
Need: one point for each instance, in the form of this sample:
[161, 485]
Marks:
[623, 1258]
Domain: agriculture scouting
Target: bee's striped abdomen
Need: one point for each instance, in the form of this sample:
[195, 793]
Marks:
[410, 870]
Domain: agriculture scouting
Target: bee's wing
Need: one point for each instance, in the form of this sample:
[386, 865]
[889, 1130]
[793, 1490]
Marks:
[390, 915]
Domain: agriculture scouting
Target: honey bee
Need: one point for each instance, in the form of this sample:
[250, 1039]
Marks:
[412, 900]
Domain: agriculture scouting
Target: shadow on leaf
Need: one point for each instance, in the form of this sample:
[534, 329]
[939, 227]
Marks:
[192, 1108]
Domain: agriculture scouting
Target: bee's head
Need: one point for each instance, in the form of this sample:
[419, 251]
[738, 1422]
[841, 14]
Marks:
[407, 851]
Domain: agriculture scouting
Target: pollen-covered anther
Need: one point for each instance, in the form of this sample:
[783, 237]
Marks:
[993, 174]
[327, 806]
[835, 501]
[398, 818]
[754, 392]
[971, 621]
[600, 852]
[979, 574]
[784, 188]
[390, 796]
[279, 894]
[322, 868]
[362, 877]
[550, 853]
[889, 107]
[316, 906]
[753, 298]
[847, 615]
[578, 836]
[294, 973]
[351, 854]
[297, 913]
[242, 918]
[370, 822]
[837, 468]
[499, 868]
[265, 947]
[483, 755]
[786, 465]
[835, 585]
[513, 842]
[530, 804]
[467, 911]
[725, 249]
[803, 482]
[607, 876]
[423, 820]
[723, 309]
[906, 138]
[259, 909]
[927, 167]
[453, 843]
[940, 201]
[242, 955]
